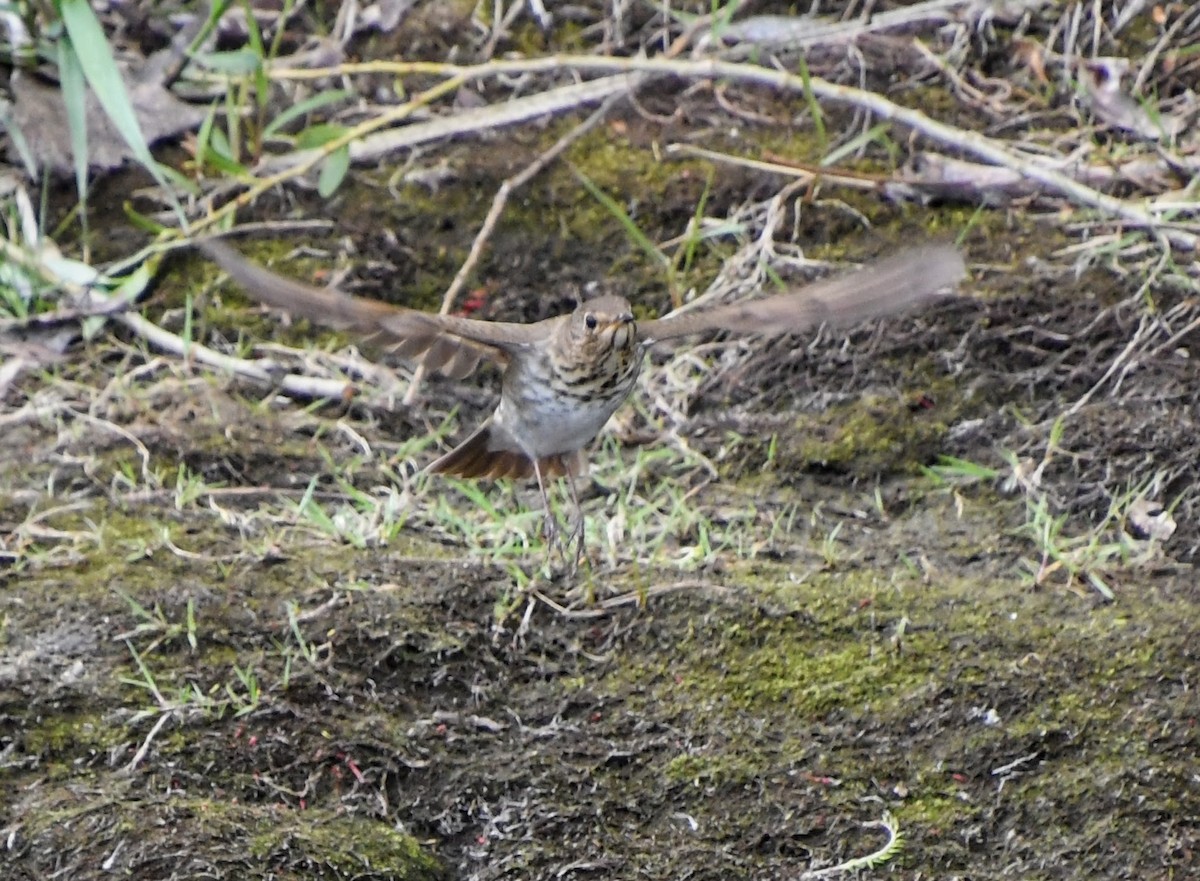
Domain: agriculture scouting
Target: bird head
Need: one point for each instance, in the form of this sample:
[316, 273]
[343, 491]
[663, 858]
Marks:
[599, 326]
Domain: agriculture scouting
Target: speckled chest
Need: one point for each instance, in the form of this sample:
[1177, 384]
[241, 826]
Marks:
[551, 410]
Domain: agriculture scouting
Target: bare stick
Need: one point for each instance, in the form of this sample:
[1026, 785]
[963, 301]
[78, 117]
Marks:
[1033, 167]
[256, 371]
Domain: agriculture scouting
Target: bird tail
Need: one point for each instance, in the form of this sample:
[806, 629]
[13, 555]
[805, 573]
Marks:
[475, 458]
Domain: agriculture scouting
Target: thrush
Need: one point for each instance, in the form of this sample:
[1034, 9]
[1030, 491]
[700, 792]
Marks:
[562, 378]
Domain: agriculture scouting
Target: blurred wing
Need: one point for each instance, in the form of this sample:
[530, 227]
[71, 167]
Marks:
[455, 346]
[893, 284]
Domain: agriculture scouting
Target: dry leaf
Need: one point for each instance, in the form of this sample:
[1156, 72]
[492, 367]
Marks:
[39, 112]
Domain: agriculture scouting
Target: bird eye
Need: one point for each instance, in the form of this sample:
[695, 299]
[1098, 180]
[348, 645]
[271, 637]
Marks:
[590, 321]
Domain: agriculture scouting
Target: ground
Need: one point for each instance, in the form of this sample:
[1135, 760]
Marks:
[897, 576]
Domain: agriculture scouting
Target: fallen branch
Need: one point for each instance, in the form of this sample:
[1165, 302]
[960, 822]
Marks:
[263, 372]
[1036, 168]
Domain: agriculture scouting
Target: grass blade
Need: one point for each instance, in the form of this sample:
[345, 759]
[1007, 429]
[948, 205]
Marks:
[74, 92]
[91, 51]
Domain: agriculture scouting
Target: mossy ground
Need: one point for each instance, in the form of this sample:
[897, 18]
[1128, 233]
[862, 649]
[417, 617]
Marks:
[760, 713]
[239, 637]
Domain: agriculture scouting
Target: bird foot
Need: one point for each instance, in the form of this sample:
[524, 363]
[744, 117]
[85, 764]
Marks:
[569, 545]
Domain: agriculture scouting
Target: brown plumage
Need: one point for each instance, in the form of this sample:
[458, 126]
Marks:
[563, 377]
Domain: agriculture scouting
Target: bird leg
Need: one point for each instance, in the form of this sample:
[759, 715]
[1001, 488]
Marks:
[551, 529]
[577, 531]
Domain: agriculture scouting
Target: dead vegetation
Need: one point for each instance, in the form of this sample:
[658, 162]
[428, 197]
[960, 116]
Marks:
[933, 571]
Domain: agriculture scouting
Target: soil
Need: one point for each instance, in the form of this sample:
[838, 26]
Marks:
[833, 582]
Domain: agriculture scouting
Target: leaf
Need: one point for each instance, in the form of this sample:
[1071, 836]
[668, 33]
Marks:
[634, 232]
[319, 135]
[875, 133]
[317, 101]
[145, 222]
[74, 94]
[238, 62]
[74, 272]
[134, 285]
[333, 171]
[214, 151]
[95, 59]
[182, 183]
[90, 49]
[90, 327]
[17, 137]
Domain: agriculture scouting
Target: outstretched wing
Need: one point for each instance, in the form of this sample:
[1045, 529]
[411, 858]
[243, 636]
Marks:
[455, 346]
[891, 285]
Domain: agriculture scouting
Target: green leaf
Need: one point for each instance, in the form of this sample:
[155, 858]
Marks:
[19, 143]
[90, 49]
[814, 106]
[215, 152]
[224, 165]
[218, 145]
[90, 327]
[238, 62]
[333, 171]
[142, 221]
[875, 133]
[319, 135]
[95, 58]
[181, 182]
[254, 37]
[134, 285]
[317, 101]
[74, 92]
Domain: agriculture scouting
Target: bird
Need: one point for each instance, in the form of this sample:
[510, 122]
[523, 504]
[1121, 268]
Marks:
[563, 377]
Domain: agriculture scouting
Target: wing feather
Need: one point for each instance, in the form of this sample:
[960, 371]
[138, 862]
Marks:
[464, 362]
[891, 285]
[455, 345]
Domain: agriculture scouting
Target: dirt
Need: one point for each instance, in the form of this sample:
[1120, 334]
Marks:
[242, 636]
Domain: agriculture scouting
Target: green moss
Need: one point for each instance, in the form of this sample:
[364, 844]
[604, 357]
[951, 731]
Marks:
[346, 845]
[842, 675]
[227, 834]
[726, 768]
[875, 435]
[68, 735]
[775, 668]
[936, 809]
